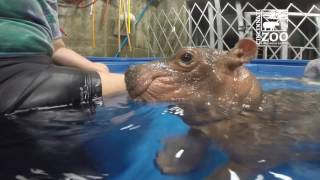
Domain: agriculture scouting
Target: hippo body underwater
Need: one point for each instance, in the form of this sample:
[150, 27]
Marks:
[223, 103]
[312, 70]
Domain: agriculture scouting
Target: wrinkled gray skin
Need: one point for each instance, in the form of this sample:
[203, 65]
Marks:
[223, 102]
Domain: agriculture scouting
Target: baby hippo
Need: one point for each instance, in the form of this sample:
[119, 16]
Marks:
[223, 103]
[199, 75]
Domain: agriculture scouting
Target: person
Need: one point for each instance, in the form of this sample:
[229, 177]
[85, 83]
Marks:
[37, 70]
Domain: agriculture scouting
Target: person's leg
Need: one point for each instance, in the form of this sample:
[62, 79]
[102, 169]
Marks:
[36, 85]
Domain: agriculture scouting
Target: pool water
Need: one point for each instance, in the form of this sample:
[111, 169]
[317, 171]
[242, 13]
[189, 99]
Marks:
[129, 150]
[124, 138]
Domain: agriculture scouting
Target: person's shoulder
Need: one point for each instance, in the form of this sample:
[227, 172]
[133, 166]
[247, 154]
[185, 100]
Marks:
[52, 3]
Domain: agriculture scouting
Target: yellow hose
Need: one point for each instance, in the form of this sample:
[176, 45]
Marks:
[119, 25]
[129, 16]
[125, 8]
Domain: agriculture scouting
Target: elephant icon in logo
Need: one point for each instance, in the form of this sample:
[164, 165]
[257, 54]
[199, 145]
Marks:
[270, 25]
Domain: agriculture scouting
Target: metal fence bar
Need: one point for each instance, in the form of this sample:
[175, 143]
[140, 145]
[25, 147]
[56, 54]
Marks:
[247, 18]
[318, 27]
[219, 23]
[211, 25]
[240, 19]
[284, 46]
[211, 19]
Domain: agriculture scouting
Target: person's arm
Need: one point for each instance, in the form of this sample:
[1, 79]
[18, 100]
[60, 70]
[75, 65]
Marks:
[112, 83]
[67, 57]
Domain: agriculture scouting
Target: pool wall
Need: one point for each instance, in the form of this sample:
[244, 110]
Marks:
[278, 68]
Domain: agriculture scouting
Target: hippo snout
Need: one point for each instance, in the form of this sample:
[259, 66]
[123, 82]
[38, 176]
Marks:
[205, 75]
[140, 80]
[154, 81]
[130, 78]
[137, 80]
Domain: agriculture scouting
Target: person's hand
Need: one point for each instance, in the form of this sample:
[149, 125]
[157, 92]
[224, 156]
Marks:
[100, 67]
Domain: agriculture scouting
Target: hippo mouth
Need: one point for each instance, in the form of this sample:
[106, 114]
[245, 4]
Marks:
[159, 88]
[152, 89]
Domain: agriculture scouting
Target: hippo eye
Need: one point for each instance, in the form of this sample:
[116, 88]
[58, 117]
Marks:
[186, 58]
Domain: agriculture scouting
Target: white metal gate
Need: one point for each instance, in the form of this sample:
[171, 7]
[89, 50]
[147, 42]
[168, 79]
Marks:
[219, 27]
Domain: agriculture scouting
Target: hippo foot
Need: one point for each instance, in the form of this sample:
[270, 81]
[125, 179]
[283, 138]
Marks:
[181, 154]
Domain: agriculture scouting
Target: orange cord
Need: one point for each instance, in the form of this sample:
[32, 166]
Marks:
[80, 3]
[93, 25]
[104, 17]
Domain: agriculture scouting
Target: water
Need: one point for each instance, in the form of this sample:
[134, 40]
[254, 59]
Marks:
[121, 143]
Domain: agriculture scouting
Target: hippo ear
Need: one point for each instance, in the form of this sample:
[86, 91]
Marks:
[243, 52]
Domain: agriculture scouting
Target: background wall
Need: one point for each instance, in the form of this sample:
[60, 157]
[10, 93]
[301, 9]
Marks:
[77, 24]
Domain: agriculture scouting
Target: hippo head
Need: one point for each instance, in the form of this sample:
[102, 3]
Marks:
[196, 76]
